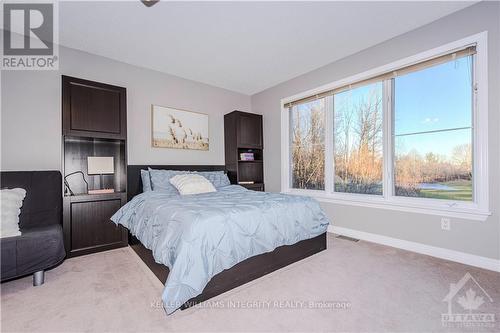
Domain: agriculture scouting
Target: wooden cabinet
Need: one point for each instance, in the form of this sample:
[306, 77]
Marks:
[248, 130]
[94, 124]
[243, 134]
[93, 109]
[87, 223]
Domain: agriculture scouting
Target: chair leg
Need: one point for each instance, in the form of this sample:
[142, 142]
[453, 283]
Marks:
[38, 278]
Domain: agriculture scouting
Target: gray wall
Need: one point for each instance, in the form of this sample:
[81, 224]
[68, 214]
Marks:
[479, 238]
[31, 122]
[31, 111]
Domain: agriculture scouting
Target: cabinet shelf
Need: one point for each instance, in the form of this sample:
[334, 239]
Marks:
[249, 147]
[90, 197]
[254, 187]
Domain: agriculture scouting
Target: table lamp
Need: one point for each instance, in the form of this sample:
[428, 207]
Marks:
[97, 165]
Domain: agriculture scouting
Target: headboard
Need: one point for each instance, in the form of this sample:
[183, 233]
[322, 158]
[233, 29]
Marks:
[134, 182]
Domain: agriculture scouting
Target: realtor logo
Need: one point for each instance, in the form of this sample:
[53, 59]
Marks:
[467, 295]
[29, 36]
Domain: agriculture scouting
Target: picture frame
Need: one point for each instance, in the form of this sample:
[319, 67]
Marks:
[179, 129]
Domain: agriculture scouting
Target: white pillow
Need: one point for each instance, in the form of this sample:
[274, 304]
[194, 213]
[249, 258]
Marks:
[192, 184]
[10, 205]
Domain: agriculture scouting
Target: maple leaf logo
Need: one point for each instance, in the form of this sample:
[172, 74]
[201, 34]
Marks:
[470, 301]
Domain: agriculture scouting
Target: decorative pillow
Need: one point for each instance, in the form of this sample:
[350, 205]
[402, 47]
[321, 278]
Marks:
[146, 181]
[11, 202]
[217, 178]
[192, 184]
[160, 180]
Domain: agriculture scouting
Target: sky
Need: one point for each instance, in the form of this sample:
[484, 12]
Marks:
[347, 102]
[437, 98]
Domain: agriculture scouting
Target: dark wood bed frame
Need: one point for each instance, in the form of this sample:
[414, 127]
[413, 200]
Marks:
[241, 273]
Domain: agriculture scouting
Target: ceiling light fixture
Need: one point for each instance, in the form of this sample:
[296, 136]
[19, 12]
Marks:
[149, 3]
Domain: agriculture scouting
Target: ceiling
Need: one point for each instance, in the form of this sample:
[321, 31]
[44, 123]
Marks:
[241, 46]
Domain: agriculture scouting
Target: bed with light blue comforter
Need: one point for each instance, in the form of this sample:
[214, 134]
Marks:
[199, 236]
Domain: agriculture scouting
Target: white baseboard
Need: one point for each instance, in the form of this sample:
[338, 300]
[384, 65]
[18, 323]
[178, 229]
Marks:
[438, 252]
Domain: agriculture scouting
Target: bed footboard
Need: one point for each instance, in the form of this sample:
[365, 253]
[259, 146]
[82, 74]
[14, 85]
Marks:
[241, 273]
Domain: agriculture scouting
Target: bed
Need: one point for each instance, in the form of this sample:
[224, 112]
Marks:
[214, 242]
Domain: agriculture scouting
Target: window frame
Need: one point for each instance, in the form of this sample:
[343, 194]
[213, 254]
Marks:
[478, 209]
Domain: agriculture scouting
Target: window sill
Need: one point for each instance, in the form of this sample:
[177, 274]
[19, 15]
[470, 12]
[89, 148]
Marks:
[422, 206]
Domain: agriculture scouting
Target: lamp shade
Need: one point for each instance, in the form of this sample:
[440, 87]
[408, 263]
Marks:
[97, 165]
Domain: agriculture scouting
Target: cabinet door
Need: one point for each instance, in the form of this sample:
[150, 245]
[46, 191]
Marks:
[249, 131]
[91, 227]
[93, 109]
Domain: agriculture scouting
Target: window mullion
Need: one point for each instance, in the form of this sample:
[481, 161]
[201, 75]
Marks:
[286, 144]
[388, 151]
[329, 149]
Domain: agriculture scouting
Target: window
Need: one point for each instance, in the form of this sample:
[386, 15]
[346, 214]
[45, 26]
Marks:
[433, 132]
[358, 122]
[410, 135]
[307, 125]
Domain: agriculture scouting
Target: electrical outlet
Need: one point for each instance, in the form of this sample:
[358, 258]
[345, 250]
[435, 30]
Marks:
[445, 223]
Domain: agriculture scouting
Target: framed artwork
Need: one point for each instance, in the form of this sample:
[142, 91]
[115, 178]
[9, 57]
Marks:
[180, 129]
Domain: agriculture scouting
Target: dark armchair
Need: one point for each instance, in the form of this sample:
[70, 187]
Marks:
[41, 244]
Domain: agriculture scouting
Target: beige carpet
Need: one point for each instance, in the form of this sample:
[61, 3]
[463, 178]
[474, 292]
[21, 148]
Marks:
[381, 289]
